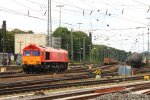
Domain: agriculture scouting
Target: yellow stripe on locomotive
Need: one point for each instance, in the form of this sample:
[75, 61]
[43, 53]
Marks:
[32, 60]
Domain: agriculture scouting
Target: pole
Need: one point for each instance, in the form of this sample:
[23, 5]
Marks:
[90, 36]
[80, 50]
[48, 25]
[143, 42]
[4, 39]
[138, 43]
[20, 44]
[83, 49]
[72, 46]
[60, 6]
[90, 53]
[148, 39]
[51, 25]
[79, 25]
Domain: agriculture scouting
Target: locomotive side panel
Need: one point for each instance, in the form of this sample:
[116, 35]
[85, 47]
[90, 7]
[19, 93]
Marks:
[54, 55]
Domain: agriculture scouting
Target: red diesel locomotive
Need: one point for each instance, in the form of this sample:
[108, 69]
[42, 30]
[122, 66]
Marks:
[44, 59]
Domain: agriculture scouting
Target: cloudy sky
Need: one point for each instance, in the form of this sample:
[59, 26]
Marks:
[122, 24]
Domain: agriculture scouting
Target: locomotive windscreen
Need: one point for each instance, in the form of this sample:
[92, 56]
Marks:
[27, 53]
[36, 53]
[31, 53]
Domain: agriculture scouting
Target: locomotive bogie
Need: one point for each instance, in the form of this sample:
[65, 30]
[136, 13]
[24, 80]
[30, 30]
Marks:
[49, 67]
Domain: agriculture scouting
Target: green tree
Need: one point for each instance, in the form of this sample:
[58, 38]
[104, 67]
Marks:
[99, 52]
[30, 32]
[11, 38]
[78, 45]
[10, 45]
[1, 36]
[65, 36]
[78, 37]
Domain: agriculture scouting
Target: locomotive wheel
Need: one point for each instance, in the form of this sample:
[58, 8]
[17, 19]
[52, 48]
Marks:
[52, 68]
[66, 66]
[28, 70]
[48, 68]
[61, 68]
[24, 68]
[58, 68]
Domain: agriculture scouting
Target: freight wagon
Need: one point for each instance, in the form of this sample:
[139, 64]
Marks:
[108, 61]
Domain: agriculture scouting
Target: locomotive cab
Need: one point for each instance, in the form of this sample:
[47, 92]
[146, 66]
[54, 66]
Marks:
[31, 57]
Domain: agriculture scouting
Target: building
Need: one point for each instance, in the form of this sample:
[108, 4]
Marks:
[24, 39]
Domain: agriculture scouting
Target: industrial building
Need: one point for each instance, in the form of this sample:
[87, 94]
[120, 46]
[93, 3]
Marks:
[24, 39]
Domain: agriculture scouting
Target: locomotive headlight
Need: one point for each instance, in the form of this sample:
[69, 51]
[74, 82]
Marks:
[25, 62]
[38, 62]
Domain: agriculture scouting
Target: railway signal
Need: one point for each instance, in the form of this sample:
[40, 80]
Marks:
[4, 40]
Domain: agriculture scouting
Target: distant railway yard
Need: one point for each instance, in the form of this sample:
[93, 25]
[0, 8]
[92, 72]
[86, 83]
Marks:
[78, 82]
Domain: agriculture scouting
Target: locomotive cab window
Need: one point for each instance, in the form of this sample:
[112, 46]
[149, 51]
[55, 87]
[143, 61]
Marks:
[27, 53]
[36, 53]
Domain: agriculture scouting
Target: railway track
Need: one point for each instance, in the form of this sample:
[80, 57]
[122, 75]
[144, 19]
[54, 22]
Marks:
[82, 94]
[87, 93]
[15, 74]
[7, 73]
[72, 70]
[44, 86]
[47, 80]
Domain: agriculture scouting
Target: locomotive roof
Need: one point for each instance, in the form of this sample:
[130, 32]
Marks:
[32, 45]
[45, 48]
[55, 50]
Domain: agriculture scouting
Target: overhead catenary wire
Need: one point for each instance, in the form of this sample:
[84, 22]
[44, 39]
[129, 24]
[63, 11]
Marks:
[140, 2]
[90, 10]
[6, 10]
